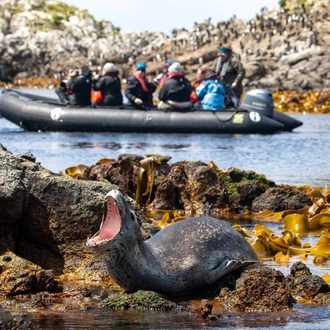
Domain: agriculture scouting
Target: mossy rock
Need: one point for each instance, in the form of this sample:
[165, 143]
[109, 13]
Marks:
[142, 300]
[231, 189]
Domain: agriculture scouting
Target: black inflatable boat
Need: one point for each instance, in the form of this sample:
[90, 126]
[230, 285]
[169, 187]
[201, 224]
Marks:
[33, 112]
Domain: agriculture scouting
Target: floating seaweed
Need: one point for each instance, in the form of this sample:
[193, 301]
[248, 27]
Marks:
[33, 83]
[309, 102]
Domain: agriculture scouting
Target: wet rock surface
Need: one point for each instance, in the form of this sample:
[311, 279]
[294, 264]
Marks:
[261, 290]
[20, 276]
[303, 284]
[277, 199]
[195, 187]
[55, 213]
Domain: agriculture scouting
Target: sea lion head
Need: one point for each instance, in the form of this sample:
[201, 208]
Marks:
[119, 223]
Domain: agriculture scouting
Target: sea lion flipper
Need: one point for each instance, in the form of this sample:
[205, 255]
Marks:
[228, 266]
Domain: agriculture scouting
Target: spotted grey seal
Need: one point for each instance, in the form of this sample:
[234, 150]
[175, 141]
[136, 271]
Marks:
[179, 259]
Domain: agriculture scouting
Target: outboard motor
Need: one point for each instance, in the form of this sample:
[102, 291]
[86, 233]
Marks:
[259, 100]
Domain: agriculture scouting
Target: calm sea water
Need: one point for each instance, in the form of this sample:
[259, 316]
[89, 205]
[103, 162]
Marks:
[296, 158]
[308, 318]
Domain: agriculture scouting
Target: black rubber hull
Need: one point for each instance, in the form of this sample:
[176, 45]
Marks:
[34, 113]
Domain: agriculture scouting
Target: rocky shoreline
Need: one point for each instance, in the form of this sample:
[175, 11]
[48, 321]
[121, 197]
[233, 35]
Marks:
[281, 50]
[45, 219]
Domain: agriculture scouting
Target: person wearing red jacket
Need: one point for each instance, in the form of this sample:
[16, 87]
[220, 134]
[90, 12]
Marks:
[163, 77]
[138, 89]
[200, 77]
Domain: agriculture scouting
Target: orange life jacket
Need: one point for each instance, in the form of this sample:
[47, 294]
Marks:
[96, 96]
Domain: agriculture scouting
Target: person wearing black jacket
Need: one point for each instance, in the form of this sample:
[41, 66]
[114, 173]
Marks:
[80, 87]
[175, 93]
[138, 90]
[109, 84]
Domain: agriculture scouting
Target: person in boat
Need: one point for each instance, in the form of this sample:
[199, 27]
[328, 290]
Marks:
[176, 91]
[81, 87]
[212, 92]
[63, 91]
[230, 70]
[163, 77]
[138, 89]
[109, 85]
[200, 77]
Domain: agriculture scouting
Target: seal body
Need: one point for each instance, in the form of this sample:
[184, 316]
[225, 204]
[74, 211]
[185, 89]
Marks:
[181, 258]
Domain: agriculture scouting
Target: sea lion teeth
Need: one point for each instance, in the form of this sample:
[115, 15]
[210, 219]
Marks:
[181, 258]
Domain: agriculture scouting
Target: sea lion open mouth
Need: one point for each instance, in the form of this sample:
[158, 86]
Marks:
[110, 225]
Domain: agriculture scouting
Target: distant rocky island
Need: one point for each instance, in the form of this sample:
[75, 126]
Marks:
[281, 50]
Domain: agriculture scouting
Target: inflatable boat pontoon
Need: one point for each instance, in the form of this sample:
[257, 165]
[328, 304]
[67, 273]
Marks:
[255, 114]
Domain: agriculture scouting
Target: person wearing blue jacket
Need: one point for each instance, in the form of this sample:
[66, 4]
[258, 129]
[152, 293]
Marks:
[212, 92]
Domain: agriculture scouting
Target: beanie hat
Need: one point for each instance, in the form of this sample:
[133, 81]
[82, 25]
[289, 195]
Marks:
[168, 63]
[175, 67]
[108, 66]
[225, 50]
[141, 66]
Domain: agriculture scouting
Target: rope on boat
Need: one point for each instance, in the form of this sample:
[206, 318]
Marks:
[224, 120]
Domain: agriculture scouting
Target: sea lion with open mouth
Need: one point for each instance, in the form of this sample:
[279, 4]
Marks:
[179, 259]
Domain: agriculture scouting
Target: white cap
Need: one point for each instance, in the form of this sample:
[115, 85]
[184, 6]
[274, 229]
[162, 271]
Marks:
[175, 67]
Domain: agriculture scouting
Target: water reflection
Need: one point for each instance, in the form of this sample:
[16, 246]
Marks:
[303, 317]
[91, 145]
[104, 319]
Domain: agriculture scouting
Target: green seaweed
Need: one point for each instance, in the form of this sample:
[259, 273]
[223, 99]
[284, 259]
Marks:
[260, 178]
[231, 189]
[237, 175]
[142, 300]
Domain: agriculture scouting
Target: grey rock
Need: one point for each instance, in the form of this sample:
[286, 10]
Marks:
[34, 42]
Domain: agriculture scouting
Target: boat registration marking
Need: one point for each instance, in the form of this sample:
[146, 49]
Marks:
[56, 113]
[254, 116]
[238, 118]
